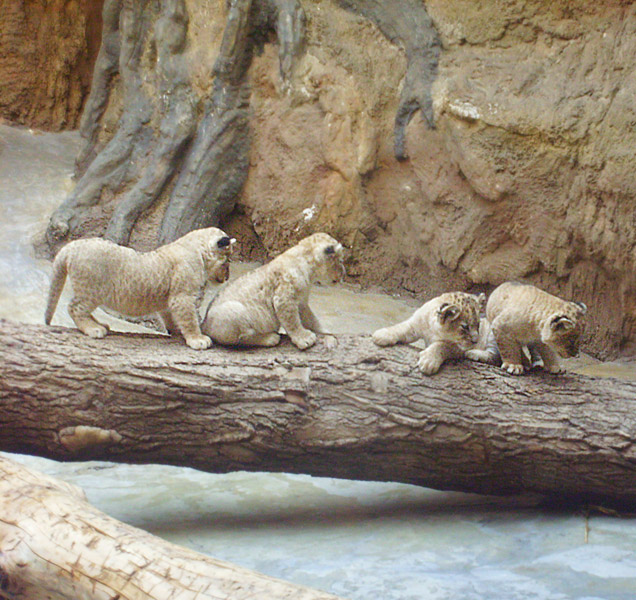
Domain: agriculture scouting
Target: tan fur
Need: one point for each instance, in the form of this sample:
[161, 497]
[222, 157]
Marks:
[449, 324]
[251, 310]
[523, 316]
[168, 280]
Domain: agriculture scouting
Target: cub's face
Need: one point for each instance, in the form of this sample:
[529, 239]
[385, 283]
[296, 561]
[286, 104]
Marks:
[563, 329]
[219, 252]
[328, 253]
[458, 318]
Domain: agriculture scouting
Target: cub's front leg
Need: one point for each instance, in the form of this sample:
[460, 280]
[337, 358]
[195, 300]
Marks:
[405, 332]
[551, 362]
[433, 357]
[486, 350]
[287, 309]
[183, 310]
[509, 349]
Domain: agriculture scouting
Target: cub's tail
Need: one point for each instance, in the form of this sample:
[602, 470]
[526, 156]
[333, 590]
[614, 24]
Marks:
[57, 283]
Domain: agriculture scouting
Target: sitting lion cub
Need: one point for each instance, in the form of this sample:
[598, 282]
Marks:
[521, 315]
[449, 324]
[168, 280]
[250, 310]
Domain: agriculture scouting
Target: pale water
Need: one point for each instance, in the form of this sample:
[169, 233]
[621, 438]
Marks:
[364, 541]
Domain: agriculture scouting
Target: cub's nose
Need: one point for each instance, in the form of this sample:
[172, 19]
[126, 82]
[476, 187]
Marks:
[224, 242]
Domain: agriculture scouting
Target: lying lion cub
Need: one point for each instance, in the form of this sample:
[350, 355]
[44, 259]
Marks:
[168, 280]
[251, 310]
[522, 315]
[449, 324]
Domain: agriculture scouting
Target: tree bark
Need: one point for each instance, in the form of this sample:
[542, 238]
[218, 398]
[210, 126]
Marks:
[169, 140]
[189, 145]
[55, 545]
[345, 408]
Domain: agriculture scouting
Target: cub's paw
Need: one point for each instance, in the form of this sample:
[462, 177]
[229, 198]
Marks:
[304, 340]
[480, 356]
[96, 331]
[384, 337]
[199, 342]
[554, 368]
[429, 363]
[512, 368]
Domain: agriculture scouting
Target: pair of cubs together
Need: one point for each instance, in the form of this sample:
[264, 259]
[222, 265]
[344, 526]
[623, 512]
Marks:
[170, 281]
[524, 326]
[251, 310]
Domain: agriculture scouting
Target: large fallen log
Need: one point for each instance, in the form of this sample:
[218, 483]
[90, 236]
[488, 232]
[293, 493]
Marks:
[55, 545]
[344, 408]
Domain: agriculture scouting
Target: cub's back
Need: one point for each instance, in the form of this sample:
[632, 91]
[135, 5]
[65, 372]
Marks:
[122, 277]
[521, 300]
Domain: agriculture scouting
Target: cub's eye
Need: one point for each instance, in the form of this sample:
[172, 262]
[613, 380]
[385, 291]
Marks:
[465, 327]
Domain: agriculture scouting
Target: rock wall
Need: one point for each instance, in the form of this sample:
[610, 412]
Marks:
[527, 173]
[47, 52]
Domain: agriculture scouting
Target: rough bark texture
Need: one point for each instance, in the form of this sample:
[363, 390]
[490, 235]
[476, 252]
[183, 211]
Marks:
[55, 545]
[47, 52]
[178, 132]
[344, 408]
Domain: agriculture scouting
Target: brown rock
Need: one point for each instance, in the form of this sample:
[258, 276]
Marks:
[527, 176]
[47, 52]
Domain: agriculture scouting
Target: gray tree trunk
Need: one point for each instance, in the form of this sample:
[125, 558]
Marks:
[344, 408]
[167, 136]
[189, 148]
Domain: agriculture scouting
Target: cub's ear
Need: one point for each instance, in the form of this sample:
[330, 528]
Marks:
[448, 312]
[582, 307]
[226, 241]
[481, 301]
[561, 323]
[333, 249]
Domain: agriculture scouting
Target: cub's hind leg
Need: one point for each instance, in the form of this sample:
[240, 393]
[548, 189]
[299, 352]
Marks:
[168, 322]
[260, 339]
[229, 324]
[81, 310]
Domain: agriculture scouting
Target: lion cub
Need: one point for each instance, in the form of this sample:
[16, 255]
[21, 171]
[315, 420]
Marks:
[251, 310]
[168, 280]
[522, 315]
[449, 324]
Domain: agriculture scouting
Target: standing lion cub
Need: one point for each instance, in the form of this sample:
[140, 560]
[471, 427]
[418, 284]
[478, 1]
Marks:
[168, 280]
[522, 315]
[251, 310]
[449, 324]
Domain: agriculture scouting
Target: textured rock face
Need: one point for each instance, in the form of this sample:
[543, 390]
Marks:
[528, 173]
[47, 52]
